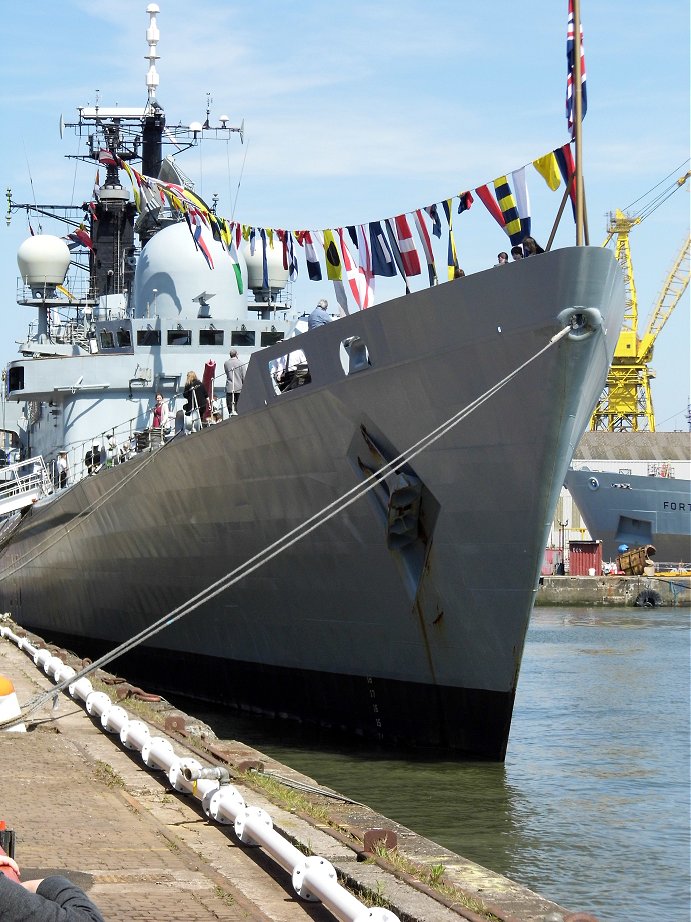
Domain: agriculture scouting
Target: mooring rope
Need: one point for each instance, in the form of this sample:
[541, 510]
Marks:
[292, 537]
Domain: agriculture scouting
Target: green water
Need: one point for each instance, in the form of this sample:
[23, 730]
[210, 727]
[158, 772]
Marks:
[591, 807]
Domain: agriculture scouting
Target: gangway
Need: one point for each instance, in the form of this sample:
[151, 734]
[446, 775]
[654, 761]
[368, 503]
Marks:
[22, 484]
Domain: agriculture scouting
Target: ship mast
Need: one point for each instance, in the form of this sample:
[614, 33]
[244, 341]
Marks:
[578, 121]
[154, 119]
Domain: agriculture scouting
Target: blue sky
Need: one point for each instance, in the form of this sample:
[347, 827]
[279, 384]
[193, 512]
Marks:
[363, 111]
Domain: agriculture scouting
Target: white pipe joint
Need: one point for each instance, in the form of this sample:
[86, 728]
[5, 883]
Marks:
[52, 665]
[135, 735]
[313, 876]
[115, 719]
[82, 688]
[97, 704]
[251, 824]
[67, 672]
[180, 775]
[224, 805]
[255, 827]
[41, 657]
[217, 772]
[158, 753]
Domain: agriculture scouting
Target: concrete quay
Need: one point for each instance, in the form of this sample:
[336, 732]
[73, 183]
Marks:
[615, 591]
[83, 805]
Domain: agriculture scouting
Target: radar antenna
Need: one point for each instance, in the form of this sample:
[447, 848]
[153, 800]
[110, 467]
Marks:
[152, 37]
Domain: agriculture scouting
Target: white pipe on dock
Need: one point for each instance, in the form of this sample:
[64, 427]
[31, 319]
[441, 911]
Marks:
[313, 878]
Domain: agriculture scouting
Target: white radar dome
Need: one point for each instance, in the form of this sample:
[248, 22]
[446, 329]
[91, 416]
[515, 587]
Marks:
[278, 276]
[43, 261]
[174, 279]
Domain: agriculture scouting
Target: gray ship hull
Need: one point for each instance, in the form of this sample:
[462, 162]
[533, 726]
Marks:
[408, 634]
[635, 510]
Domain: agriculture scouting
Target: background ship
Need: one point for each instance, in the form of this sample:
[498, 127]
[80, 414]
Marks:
[634, 489]
[401, 618]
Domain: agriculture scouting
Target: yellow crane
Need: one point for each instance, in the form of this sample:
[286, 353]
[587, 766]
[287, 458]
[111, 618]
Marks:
[626, 404]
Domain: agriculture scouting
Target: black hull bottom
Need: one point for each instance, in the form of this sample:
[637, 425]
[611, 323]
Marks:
[469, 723]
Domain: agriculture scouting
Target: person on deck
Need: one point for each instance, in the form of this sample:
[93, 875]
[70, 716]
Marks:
[517, 252]
[235, 378]
[502, 258]
[531, 247]
[195, 402]
[161, 416]
[62, 469]
[319, 315]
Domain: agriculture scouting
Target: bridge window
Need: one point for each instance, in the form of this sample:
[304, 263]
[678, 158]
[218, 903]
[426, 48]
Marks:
[211, 337]
[124, 338]
[107, 339]
[242, 338]
[179, 337]
[148, 337]
[16, 382]
[271, 337]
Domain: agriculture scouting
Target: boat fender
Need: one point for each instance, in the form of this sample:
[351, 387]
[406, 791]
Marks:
[584, 321]
[648, 598]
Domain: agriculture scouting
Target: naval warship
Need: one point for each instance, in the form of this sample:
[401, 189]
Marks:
[633, 489]
[358, 549]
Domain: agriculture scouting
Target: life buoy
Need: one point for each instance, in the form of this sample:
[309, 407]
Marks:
[648, 598]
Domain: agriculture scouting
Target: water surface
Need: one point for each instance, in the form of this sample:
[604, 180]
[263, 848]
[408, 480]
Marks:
[591, 807]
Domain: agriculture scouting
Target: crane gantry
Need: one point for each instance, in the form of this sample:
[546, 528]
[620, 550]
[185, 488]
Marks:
[626, 403]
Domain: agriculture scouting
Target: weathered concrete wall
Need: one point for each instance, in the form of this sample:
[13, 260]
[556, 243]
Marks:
[612, 590]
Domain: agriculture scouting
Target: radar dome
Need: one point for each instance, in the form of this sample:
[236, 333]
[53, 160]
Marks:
[173, 279]
[43, 262]
[278, 276]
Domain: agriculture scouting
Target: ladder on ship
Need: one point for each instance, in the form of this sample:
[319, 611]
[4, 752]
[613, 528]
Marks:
[22, 484]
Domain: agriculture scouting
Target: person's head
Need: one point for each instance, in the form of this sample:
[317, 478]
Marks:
[233, 353]
[323, 304]
[530, 247]
[191, 377]
[517, 252]
[159, 398]
[502, 257]
[458, 273]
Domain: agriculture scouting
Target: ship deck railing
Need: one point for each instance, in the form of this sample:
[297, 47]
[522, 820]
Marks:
[22, 484]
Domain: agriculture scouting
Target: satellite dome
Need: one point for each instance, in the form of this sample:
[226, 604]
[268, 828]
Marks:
[278, 276]
[173, 278]
[43, 262]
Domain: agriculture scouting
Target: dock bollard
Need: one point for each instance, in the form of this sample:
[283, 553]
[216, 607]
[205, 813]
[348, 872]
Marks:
[9, 706]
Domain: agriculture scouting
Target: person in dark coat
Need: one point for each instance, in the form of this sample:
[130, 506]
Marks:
[53, 899]
[531, 247]
[195, 401]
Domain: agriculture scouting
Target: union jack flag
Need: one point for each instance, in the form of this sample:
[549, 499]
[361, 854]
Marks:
[571, 71]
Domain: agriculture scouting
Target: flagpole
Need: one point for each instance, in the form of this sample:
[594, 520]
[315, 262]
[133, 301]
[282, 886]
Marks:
[578, 119]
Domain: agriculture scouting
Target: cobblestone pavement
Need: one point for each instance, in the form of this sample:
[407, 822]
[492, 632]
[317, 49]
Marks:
[83, 807]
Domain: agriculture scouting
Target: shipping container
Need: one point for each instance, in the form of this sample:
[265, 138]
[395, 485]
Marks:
[585, 558]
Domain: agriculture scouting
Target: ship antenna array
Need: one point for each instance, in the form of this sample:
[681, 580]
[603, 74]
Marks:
[284, 542]
[152, 37]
